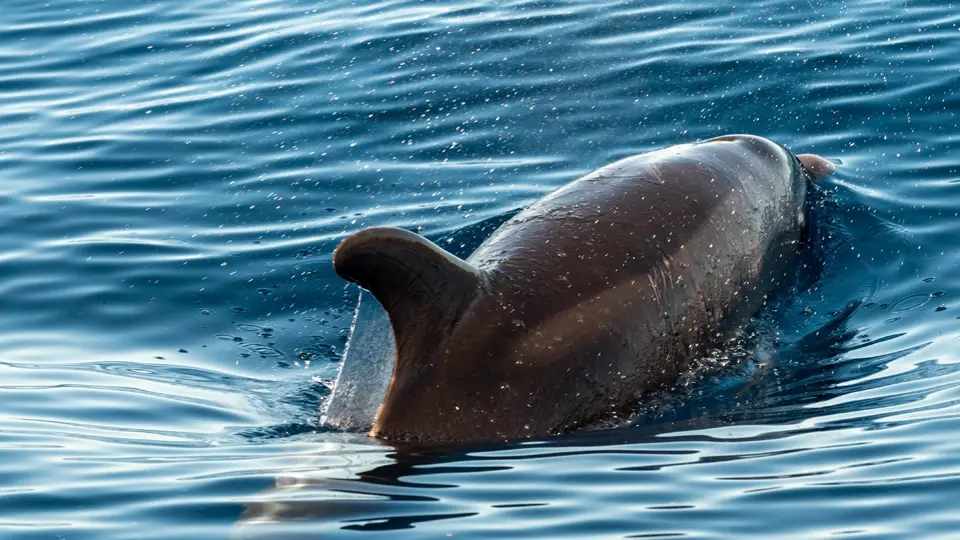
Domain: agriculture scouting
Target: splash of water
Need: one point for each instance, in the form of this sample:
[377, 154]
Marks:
[365, 371]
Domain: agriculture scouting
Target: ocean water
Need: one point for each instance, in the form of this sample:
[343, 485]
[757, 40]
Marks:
[175, 175]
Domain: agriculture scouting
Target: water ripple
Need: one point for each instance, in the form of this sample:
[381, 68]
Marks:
[176, 175]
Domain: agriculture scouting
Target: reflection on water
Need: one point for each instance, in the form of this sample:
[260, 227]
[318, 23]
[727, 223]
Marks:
[176, 176]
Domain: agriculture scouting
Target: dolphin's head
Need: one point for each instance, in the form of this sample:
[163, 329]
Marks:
[797, 171]
[815, 167]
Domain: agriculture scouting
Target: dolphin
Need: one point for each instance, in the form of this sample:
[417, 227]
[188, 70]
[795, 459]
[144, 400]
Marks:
[600, 292]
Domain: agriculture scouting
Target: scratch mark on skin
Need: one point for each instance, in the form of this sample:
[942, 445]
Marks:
[656, 291]
[664, 270]
[655, 172]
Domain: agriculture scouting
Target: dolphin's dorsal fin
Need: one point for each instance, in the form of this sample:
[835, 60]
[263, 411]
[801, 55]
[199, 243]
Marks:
[423, 288]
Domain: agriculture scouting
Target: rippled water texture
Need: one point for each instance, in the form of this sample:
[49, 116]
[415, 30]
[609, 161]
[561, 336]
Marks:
[174, 176]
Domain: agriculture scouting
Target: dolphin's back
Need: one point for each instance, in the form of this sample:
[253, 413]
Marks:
[600, 291]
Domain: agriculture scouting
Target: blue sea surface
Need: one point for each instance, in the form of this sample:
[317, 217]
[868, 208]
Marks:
[174, 176]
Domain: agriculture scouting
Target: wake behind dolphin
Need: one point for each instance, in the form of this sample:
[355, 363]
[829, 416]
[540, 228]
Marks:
[598, 293]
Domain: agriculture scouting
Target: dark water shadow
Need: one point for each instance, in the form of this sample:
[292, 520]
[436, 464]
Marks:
[466, 240]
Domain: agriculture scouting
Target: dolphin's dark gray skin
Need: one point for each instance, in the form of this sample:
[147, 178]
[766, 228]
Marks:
[601, 291]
